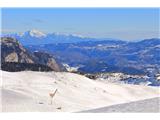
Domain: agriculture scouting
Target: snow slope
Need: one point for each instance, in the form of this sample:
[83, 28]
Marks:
[29, 91]
[147, 105]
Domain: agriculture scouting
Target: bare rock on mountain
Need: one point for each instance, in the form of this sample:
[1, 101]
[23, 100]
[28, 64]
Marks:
[47, 59]
[12, 57]
[13, 51]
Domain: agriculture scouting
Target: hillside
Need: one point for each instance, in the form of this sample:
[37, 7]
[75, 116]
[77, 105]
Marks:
[143, 106]
[140, 57]
[16, 56]
[29, 91]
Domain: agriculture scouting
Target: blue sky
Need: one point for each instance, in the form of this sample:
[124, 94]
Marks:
[121, 23]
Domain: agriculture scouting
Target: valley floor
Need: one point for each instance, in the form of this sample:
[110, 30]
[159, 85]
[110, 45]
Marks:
[29, 91]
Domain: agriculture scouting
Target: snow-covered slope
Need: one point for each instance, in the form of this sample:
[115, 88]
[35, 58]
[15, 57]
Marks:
[29, 91]
[145, 106]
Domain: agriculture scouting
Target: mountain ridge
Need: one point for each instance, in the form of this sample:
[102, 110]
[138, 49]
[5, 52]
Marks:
[13, 53]
[32, 37]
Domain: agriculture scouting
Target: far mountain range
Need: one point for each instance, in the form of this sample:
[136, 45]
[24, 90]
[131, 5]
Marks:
[93, 55]
[35, 37]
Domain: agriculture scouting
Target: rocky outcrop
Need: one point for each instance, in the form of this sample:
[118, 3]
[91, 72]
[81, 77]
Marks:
[12, 57]
[13, 52]
[46, 59]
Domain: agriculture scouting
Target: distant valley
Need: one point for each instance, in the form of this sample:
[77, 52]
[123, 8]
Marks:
[97, 56]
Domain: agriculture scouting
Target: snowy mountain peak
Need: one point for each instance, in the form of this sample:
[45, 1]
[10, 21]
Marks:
[35, 33]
